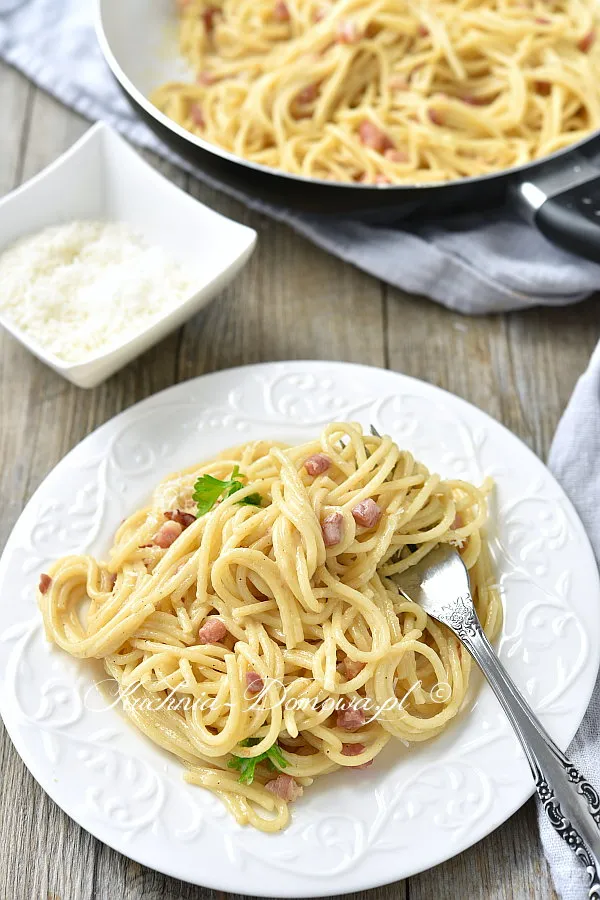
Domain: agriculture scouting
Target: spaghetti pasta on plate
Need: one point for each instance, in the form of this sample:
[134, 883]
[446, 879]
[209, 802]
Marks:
[249, 617]
[388, 91]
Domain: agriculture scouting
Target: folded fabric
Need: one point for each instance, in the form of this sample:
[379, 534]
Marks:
[575, 460]
[476, 263]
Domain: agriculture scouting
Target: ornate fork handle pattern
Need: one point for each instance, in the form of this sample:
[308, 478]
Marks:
[564, 827]
[571, 803]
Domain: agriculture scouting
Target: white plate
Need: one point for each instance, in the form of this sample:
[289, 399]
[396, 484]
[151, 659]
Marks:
[352, 830]
[102, 178]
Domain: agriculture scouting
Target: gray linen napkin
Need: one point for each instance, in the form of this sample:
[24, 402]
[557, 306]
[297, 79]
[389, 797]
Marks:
[576, 450]
[472, 263]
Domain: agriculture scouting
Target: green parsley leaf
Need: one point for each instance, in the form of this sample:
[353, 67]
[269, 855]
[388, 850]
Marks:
[252, 500]
[208, 490]
[246, 767]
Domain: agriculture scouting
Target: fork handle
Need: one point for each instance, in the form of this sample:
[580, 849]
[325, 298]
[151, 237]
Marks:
[570, 802]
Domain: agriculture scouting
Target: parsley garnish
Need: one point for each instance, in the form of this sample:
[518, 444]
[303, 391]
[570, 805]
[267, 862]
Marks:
[208, 489]
[252, 500]
[246, 767]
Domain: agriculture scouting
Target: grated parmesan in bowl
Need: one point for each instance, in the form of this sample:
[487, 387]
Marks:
[85, 288]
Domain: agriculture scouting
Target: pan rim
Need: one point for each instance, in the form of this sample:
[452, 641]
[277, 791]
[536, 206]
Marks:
[139, 98]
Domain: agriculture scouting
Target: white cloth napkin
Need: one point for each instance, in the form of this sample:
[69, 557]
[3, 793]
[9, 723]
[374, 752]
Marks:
[474, 263]
[575, 460]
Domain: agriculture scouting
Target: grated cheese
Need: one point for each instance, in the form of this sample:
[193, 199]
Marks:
[84, 288]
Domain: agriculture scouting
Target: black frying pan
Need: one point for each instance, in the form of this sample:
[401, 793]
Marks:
[559, 194]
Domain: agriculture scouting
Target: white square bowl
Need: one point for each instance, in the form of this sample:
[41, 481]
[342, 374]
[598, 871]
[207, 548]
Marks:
[102, 178]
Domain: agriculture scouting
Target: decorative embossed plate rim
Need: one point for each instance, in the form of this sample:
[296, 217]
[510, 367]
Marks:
[351, 831]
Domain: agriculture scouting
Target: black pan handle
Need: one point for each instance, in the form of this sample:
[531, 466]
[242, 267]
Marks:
[564, 203]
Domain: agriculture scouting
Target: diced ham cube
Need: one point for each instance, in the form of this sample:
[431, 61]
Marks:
[350, 668]
[397, 156]
[211, 632]
[350, 719]
[398, 83]
[366, 513]
[373, 137]
[254, 683]
[331, 527]
[317, 464]
[356, 750]
[586, 42]
[307, 95]
[285, 788]
[423, 31]
[182, 518]
[45, 582]
[475, 101]
[167, 534]
[281, 12]
[381, 179]
[347, 32]
[205, 78]
[352, 749]
[435, 116]
[197, 115]
[208, 17]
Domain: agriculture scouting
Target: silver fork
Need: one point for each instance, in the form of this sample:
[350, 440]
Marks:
[440, 584]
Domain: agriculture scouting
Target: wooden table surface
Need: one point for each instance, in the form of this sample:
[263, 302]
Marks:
[520, 368]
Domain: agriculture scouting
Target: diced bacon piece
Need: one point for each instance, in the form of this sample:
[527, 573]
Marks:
[45, 582]
[331, 526]
[474, 101]
[350, 719]
[211, 632]
[587, 41]
[208, 17]
[281, 12]
[366, 513]
[373, 137]
[307, 94]
[347, 32]
[317, 464]
[356, 750]
[205, 78]
[197, 115]
[254, 683]
[398, 83]
[182, 518]
[352, 749]
[423, 31]
[435, 116]
[350, 667]
[167, 534]
[397, 156]
[285, 788]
